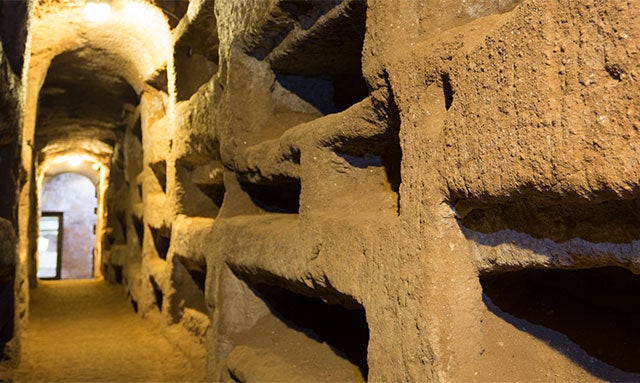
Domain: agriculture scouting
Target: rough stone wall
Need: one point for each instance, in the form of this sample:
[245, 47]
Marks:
[389, 190]
[12, 44]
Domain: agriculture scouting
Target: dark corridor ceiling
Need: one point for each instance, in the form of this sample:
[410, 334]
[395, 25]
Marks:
[82, 95]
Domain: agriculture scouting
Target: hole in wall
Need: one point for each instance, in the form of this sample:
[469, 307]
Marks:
[325, 93]
[349, 90]
[174, 9]
[306, 13]
[117, 273]
[214, 192]
[7, 317]
[193, 70]
[381, 151]
[392, 153]
[344, 330]
[275, 30]
[201, 183]
[447, 90]
[139, 227]
[598, 309]
[610, 221]
[160, 171]
[161, 240]
[282, 196]
[189, 278]
[157, 293]
[134, 304]
[197, 271]
[321, 63]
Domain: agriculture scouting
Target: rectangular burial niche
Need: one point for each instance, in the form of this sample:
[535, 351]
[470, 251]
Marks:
[157, 293]
[598, 309]
[161, 240]
[321, 61]
[615, 221]
[188, 278]
[50, 245]
[344, 330]
[381, 151]
[281, 196]
[202, 186]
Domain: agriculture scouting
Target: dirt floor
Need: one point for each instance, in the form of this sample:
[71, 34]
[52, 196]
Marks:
[83, 331]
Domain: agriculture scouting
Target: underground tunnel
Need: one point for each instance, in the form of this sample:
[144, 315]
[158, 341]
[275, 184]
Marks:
[319, 190]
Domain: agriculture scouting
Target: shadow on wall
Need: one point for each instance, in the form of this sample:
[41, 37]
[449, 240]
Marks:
[597, 309]
[75, 197]
[344, 330]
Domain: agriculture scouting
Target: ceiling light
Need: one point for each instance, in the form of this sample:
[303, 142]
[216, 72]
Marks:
[96, 11]
[74, 160]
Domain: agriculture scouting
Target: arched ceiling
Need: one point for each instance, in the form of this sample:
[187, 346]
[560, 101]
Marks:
[64, 155]
[84, 75]
[81, 96]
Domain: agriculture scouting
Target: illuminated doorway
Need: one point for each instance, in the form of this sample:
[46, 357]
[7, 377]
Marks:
[74, 196]
[50, 245]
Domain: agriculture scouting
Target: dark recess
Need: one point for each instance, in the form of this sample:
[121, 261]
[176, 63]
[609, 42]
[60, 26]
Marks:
[139, 226]
[192, 288]
[8, 155]
[198, 273]
[157, 293]
[322, 64]
[160, 171]
[137, 129]
[598, 309]
[7, 307]
[381, 150]
[134, 304]
[447, 90]
[282, 196]
[13, 32]
[326, 93]
[616, 221]
[215, 192]
[117, 271]
[345, 331]
[161, 240]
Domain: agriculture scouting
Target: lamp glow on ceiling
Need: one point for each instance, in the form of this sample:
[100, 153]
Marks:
[96, 11]
[74, 161]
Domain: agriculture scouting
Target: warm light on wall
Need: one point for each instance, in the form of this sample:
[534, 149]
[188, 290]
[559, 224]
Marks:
[96, 11]
[74, 160]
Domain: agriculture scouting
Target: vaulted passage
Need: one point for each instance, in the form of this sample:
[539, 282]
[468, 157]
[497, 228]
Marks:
[319, 190]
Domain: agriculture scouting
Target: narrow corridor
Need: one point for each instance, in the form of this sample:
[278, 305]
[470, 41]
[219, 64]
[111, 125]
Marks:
[84, 330]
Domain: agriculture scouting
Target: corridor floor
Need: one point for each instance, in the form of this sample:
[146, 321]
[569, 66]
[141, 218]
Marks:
[86, 331]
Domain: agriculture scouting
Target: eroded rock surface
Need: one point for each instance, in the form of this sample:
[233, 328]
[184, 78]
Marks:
[294, 185]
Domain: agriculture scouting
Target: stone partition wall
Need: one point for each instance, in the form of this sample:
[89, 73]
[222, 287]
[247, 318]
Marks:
[381, 190]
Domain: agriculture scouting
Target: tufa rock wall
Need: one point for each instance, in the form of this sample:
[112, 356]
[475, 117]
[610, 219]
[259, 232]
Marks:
[12, 44]
[388, 190]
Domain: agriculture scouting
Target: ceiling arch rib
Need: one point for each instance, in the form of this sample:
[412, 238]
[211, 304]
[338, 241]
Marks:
[83, 75]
